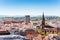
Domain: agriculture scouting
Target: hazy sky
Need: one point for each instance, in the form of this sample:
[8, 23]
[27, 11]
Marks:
[29, 7]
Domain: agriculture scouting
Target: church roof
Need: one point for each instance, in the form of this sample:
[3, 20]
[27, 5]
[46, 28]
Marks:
[48, 26]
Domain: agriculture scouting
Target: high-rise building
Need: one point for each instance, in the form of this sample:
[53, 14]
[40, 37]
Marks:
[27, 18]
[43, 21]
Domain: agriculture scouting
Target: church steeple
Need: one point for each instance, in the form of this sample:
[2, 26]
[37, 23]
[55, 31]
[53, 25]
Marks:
[43, 21]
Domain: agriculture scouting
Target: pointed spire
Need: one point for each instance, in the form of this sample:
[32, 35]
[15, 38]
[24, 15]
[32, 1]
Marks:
[43, 21]
[43, 16]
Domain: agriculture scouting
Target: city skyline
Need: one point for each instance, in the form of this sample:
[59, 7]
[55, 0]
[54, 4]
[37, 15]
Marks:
[29, 7]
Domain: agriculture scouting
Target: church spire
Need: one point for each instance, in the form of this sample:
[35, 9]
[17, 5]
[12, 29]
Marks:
[43, 21]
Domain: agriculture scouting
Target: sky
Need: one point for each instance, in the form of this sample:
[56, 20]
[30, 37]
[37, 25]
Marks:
[29, 7]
